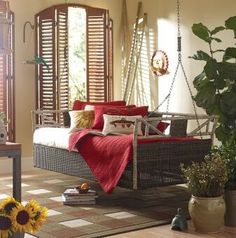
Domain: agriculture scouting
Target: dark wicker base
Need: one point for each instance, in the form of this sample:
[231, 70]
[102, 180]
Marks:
[60, 160]
[158, 163]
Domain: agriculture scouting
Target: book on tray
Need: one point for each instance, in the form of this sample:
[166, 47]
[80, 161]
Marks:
[72, 196]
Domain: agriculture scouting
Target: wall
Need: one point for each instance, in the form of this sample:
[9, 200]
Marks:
[211, 12]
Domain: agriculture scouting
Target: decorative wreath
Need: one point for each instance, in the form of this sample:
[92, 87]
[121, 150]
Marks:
[159, 63]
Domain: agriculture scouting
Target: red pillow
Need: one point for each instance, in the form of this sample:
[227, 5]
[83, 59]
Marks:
[162, 126]
[129, 110]
[80, 105]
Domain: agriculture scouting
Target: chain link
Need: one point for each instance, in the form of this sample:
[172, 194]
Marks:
[176, 71]
[178, 17]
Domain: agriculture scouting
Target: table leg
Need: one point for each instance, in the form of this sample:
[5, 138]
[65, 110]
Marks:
[17, 177]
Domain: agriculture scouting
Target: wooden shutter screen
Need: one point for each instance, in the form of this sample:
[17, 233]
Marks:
[7, 83]
[52, 90]
[96, 54]
[62, 58]
[99, 55]
[52, 78]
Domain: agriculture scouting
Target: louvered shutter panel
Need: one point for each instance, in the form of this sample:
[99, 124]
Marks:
[51, 42]
[96, 54]
[46, 74]
[7, 83]
[62, 58]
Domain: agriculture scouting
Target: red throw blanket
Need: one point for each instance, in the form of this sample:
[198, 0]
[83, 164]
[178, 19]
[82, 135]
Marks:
[106, 156]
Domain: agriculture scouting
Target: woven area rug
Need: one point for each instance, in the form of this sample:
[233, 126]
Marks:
[122, 211]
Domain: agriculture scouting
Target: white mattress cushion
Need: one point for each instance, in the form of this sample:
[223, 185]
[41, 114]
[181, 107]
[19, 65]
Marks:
[55, 137]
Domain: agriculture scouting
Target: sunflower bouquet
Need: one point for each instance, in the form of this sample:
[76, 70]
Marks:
[15, 217]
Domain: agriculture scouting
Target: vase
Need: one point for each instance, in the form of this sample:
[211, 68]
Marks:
[207, 213]
[230, 202]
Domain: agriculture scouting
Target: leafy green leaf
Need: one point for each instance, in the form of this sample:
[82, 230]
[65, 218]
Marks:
[221, 135]
[230, 53]
[230, 23]
[201, 31]
[198, 79]
[216, 39]
[227, 70]
[211, 69]
[205, 97]
[227, 104]
[201, 55]
[220, 83]
[217, 29]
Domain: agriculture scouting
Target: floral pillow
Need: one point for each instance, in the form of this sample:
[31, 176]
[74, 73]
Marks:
[81, 119]
[119, 124]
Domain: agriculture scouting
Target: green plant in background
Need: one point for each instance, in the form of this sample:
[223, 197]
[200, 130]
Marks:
[228, 153]
[207, 178]
[216, 84]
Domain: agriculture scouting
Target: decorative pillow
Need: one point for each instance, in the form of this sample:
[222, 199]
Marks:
[81, 119]
[79, 105]
[162, 126]
[119, 124]
[130, 110]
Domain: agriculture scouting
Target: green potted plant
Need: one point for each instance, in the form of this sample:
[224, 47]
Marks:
[216, 83]
[216, 93]
[228, 152]
[206, 181]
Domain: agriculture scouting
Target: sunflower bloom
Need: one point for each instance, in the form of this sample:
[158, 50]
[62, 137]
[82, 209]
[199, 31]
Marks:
[8, 204]
[22, 218]
[5, 226]
[33, 205]
[40, 214]
[39, 218]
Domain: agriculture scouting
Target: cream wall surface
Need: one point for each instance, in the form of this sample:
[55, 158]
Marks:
[161, 19]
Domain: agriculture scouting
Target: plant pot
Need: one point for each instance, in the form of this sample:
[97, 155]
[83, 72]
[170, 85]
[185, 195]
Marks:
[230, 202]
[207, 213]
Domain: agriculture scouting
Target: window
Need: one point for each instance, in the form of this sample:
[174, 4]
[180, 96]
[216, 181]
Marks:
[56, 45]
[7, 84]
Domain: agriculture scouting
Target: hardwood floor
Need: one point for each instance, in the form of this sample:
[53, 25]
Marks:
[166, 232]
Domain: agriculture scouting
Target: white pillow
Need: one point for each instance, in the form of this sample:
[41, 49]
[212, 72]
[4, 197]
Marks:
[81, 119]
[116, 124]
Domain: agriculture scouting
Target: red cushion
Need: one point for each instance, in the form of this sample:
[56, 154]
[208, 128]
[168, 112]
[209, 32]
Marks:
[129, 110]
[162, 126]
[80, 105]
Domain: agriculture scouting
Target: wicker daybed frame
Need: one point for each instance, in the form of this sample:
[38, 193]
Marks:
[154, 164]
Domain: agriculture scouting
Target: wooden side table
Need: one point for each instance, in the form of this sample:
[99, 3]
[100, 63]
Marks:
[13, 150]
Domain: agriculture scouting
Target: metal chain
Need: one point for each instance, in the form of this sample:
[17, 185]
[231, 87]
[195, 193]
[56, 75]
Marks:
[180, 62]
[176, 71]
[178, 17]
